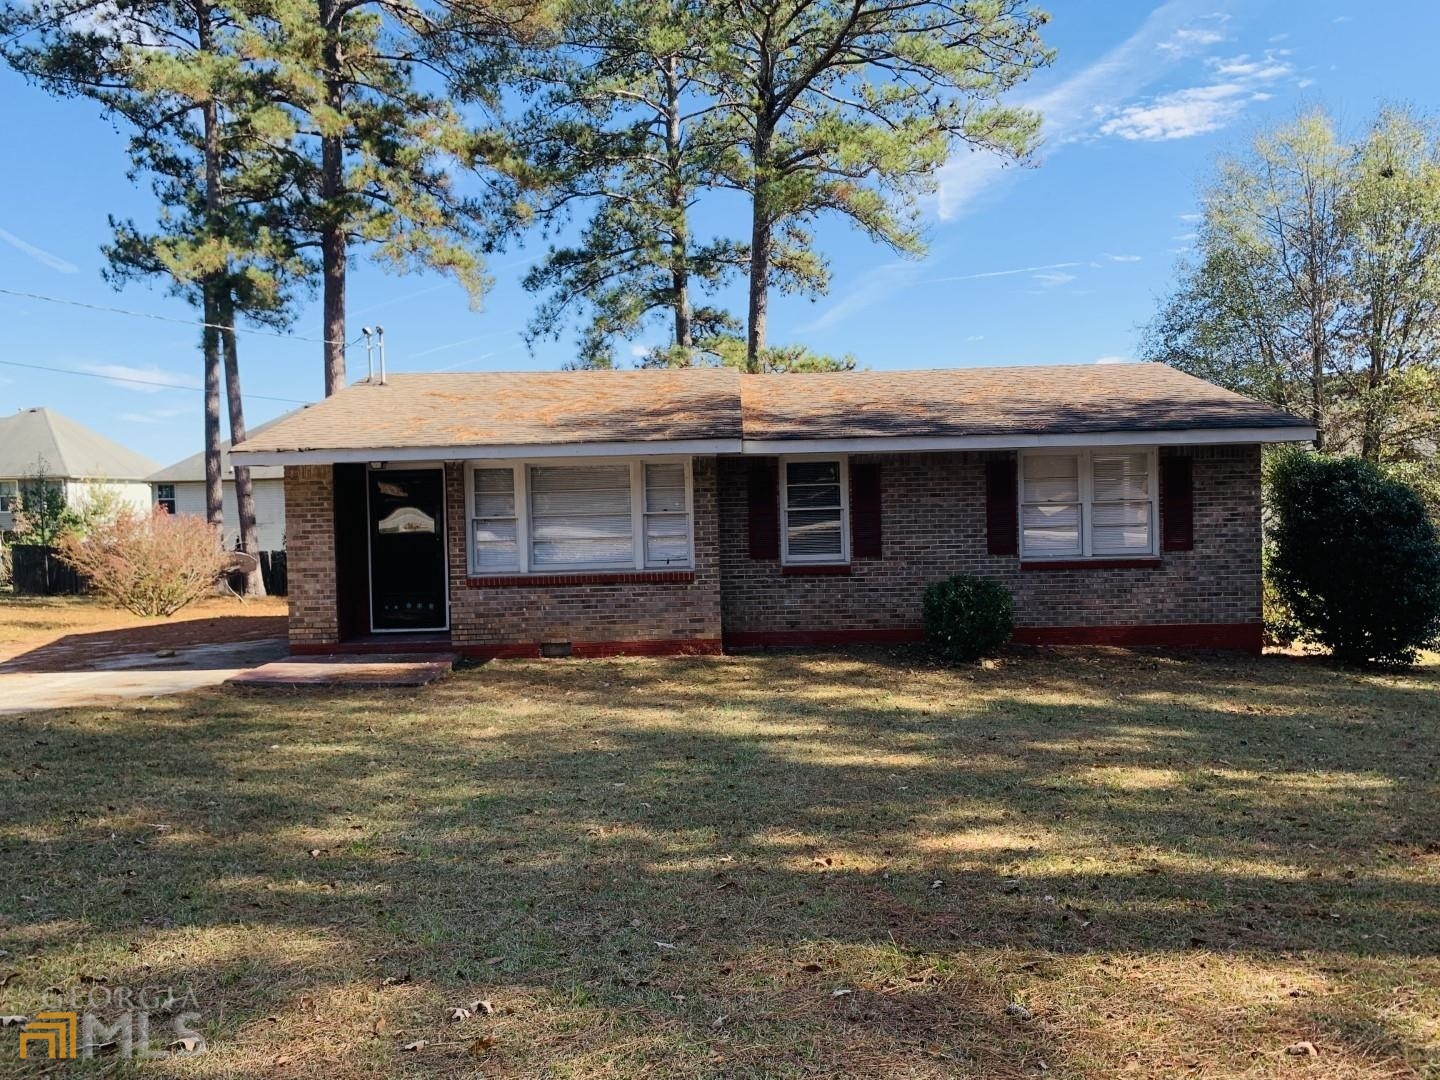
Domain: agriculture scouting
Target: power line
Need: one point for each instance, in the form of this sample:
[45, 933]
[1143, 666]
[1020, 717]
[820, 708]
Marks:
[170, 318]
[142, 382]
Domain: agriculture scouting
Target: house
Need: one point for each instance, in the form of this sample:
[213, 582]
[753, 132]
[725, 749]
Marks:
[664, 511]
[180, 489]
[42, 445]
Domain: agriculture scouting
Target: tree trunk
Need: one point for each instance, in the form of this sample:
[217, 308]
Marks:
[214, 487]
[332, 190]
[679, 230]
[760, 233]
[210, 113]
[244, 493]
[1317, 381]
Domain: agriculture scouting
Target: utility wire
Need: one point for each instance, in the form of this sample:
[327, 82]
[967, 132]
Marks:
[142, 382]
[171, 319]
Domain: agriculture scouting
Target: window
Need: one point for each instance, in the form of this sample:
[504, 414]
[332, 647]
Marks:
[548, 518]
[813, 500]
[495, 525]
[1087, 503]
[165, 498]
[8, 496]
[580, 516]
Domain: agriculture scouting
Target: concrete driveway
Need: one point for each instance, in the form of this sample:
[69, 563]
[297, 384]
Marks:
[137, 661]
[137, 675]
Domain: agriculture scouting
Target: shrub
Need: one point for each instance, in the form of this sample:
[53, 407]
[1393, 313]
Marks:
[149, 563]
[967, 617]
[1355, 558]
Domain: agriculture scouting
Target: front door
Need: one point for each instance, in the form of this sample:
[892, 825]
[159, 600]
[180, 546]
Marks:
[407, 549]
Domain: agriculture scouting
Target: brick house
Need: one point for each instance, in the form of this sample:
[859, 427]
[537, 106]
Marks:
[600, 512]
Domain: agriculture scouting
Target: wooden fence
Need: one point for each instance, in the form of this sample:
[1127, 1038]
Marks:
[38, 571]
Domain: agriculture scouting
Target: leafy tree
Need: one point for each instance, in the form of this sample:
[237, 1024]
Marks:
[850, 107]
[729, 350]
[1391, 327]
[618, 125]
[1316, 284]
[1354, 557]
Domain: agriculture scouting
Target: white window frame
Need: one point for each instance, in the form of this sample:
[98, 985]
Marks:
[521, 472]
[10, 492]
[1085, 457]
[787, 559]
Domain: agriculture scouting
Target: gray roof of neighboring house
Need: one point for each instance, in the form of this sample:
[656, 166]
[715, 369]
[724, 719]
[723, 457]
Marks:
[192, 469]
[42, 441]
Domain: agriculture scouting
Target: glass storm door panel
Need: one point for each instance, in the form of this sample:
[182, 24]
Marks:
[407, 549]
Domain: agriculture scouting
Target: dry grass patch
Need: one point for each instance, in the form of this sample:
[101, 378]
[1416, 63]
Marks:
[1072, 865]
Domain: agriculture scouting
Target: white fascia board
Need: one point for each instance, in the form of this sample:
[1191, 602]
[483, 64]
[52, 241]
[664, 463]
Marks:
[488, 453]
[904, 444]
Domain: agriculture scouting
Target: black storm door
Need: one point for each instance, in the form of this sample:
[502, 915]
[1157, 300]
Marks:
[407, 549]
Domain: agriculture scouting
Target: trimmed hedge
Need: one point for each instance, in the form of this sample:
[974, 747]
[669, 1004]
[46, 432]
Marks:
[1355, 557]
[967, 617]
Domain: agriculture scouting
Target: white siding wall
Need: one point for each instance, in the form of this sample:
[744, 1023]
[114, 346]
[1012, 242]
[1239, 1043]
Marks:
[132, 493]
[269, 510]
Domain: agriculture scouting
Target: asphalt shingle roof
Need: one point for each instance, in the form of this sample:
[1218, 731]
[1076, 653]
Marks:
[576, 407]
[64, 450]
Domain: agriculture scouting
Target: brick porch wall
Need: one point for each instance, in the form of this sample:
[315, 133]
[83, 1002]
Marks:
[310, 538]
[658, 613]
[933, 523]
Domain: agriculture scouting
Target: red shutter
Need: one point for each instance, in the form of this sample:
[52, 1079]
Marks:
[764, 509]
[865, 542]
[1177, 504]
[1002, 519]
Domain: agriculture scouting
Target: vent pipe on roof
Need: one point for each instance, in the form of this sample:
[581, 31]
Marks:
[380, 336]
[369, 355]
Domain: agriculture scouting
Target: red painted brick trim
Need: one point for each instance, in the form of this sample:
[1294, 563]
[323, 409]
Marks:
[816, 570]
[679, 647]
[1246, 637]
[767, 638]
[551, 581]
[1093, 564]
[397, 644]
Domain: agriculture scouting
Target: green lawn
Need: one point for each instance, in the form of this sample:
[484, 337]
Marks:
[810, 865]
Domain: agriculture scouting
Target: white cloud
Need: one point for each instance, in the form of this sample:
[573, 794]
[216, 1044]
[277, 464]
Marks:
[153, 416]
[1124, 258]
[1058, 277]
[146, 380]
[1190, 217]
[40, 255]
[1115, 360]
[1197, 110]
[1070, 110]
[975, 337]
[639, 351]
[1188, 39]
[888, 278]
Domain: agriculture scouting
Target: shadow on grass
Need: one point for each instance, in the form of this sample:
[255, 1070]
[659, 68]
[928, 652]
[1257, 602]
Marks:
[838, 864]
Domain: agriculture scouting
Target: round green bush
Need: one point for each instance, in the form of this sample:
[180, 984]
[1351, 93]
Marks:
[967, 617]
[1355, 557]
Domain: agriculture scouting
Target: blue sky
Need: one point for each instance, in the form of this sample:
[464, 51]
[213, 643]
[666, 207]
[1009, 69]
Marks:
[1057, 263]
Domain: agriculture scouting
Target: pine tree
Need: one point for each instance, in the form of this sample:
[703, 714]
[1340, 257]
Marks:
[850, 107]
[614, 127]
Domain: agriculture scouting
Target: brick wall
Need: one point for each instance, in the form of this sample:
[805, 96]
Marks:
[665, 615]
[933, 522]
[310, 533]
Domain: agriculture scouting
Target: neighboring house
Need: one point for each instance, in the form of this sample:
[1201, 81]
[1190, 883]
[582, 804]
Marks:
[42, 445]
[180, 489]
[660, 511]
